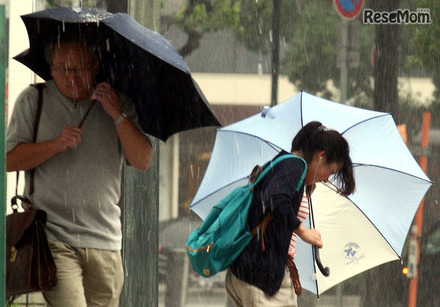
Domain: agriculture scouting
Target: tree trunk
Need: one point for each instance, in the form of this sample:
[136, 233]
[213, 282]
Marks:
[384, 285]
[386, 60]
[117, 6]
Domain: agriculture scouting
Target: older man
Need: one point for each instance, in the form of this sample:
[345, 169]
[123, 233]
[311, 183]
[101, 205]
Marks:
[77, 171]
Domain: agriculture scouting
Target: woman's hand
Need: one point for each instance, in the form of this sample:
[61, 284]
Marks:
[311, 236]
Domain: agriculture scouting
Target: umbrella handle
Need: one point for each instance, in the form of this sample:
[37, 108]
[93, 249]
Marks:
[325, 271]
[87, 113]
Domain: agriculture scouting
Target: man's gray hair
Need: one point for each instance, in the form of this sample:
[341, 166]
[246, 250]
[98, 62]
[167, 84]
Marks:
[89, 45]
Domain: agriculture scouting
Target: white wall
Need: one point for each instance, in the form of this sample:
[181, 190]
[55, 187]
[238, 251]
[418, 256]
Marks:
[19, 75]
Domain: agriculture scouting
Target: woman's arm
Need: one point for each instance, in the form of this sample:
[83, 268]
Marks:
[311, 236]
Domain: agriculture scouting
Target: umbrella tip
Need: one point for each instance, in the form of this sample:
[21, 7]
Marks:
[265, 111]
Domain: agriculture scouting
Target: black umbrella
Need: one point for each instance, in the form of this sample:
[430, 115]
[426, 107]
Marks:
[136, 61]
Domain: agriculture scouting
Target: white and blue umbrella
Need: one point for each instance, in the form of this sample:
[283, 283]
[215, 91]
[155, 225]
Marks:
[362, 231]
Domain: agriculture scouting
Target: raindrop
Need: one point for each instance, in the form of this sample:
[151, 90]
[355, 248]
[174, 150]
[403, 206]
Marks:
[87, 255]
[107, 41]
[64, 26]
[270, 36]
[192, 171]
[73, 215]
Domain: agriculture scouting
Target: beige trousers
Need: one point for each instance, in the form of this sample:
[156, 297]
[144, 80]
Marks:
[86, 277]
[244, 294]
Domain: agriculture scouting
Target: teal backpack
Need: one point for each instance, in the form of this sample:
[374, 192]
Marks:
[225, 233]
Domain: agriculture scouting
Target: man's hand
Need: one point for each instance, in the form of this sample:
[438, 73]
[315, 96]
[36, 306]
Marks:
[108, 98]
[137, 147]
[26, 156]
[70, 137]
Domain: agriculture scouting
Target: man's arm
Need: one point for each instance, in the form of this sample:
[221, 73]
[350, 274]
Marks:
[26, 156]
[137, 147]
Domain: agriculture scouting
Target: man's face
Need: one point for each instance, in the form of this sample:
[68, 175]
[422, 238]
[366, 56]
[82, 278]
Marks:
[73, 70]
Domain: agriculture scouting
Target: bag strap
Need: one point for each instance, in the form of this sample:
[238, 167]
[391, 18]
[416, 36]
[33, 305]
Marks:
[40, 87]
[262, 225]
[259, 172]
[269, 165]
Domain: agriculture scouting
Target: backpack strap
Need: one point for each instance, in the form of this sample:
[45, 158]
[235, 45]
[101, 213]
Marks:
[259, 172]
[269, 165]
[262, 225]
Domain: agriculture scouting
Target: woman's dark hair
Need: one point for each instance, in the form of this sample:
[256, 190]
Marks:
[314, 137]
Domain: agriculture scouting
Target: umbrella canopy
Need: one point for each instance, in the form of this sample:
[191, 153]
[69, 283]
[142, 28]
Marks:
[359, 232]
[136, 61]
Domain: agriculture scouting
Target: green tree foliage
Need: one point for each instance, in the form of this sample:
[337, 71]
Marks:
[311, 59]
[308, 28]
[200, 16]
[426, 43]
[205, 15]
[424, 52]
[313, 54]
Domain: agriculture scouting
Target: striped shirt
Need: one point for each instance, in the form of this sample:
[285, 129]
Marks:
[303, 212]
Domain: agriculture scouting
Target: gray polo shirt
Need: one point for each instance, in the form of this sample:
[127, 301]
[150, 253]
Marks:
[79, 188]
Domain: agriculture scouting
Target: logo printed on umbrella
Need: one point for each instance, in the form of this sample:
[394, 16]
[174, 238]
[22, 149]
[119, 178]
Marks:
[352, 253]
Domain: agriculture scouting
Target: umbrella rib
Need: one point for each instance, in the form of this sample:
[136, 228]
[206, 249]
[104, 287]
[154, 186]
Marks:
[391, 169]
[274, 146]
[210, 194]
[365, 120]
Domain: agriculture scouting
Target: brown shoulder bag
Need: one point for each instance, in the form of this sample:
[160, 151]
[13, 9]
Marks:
[29, 263]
